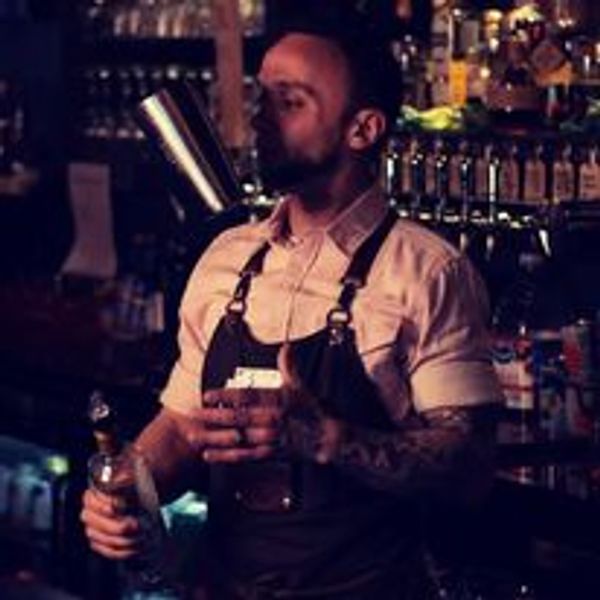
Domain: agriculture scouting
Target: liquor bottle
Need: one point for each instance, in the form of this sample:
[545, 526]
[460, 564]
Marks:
[406, 183]
[418, 174]
[455, 162]
[467, 193]
[494, 165]
[513, 98]
[534, 176]
[509, 182]
[457, 64]
[483, 155]
[589, 176]
[120, 470]
[430, 165]
[439, 58]
[563, 176]
[513, 353]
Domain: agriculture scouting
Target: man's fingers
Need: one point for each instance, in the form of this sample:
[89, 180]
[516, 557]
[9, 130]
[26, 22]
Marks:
[103, 504]
[112, 526]
[221, 438]
[112, 553]
[116, 542]
[240, 437]
[253, 416]
[228, 397]
[235, 455]
[259, 436]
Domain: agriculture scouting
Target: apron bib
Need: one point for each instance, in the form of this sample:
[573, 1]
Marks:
[299, 525]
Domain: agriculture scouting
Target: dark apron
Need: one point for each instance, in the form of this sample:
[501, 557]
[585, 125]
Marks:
[285, 529]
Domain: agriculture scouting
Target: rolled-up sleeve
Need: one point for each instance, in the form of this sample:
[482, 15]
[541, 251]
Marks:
[451, 364]
[183, 390]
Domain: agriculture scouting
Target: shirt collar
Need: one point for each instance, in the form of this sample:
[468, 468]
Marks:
[348, 230]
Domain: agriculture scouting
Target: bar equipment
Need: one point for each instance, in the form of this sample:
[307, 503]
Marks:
[176, 121]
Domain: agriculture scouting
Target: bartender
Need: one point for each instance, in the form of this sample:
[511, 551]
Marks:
[334, 369]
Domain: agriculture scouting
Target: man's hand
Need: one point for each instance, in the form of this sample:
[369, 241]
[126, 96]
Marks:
[259, 422]
[111, 532]
[248, 421]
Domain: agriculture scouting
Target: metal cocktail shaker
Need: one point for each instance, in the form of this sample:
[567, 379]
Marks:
[176, 122]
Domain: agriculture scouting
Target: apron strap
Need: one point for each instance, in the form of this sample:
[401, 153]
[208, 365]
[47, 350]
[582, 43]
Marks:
[236, 307]
[355, 277]
[359, 268]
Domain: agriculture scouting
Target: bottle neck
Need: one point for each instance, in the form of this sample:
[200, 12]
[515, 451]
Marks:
[107, 443]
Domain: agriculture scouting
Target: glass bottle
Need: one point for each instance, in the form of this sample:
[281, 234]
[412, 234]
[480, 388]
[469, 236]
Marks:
[563, 176]
[509, 182]
[418, 174]
[534, 176]
[121, 470]
[455, 161]
[410, 151]
[482, 160]
[457, 65]
[589, 176]
[467, 193]
[512, 352]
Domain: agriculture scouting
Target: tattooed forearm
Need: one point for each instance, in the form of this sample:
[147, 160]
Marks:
[453, 451]
[307, 431]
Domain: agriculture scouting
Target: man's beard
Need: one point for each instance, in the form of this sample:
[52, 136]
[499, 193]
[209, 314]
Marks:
[284, 174]
[292, 175]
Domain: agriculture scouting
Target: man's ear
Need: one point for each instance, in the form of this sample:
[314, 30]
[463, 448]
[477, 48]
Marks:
[365, 129]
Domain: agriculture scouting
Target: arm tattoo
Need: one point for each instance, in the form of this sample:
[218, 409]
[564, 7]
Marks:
[451, 451]
[303, 430]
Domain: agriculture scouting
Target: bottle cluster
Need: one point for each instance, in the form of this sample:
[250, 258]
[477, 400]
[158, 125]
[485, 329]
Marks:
[110, 93]
[551, 384]
[433, 171]
[163, 19]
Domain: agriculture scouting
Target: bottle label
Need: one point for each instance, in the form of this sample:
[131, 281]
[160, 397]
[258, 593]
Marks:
[509, 181]
[564, 188]
[518, 385]
[534, 189]
[513, 365]
[589, 181]
[481, 178]
[454, 183]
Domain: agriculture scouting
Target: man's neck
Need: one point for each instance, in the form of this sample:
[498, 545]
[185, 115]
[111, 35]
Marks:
[316, 206]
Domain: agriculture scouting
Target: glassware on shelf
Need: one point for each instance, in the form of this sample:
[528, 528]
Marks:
[164, 19]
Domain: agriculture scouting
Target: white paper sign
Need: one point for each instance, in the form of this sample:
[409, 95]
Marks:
[93, 252]
[249, 377]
